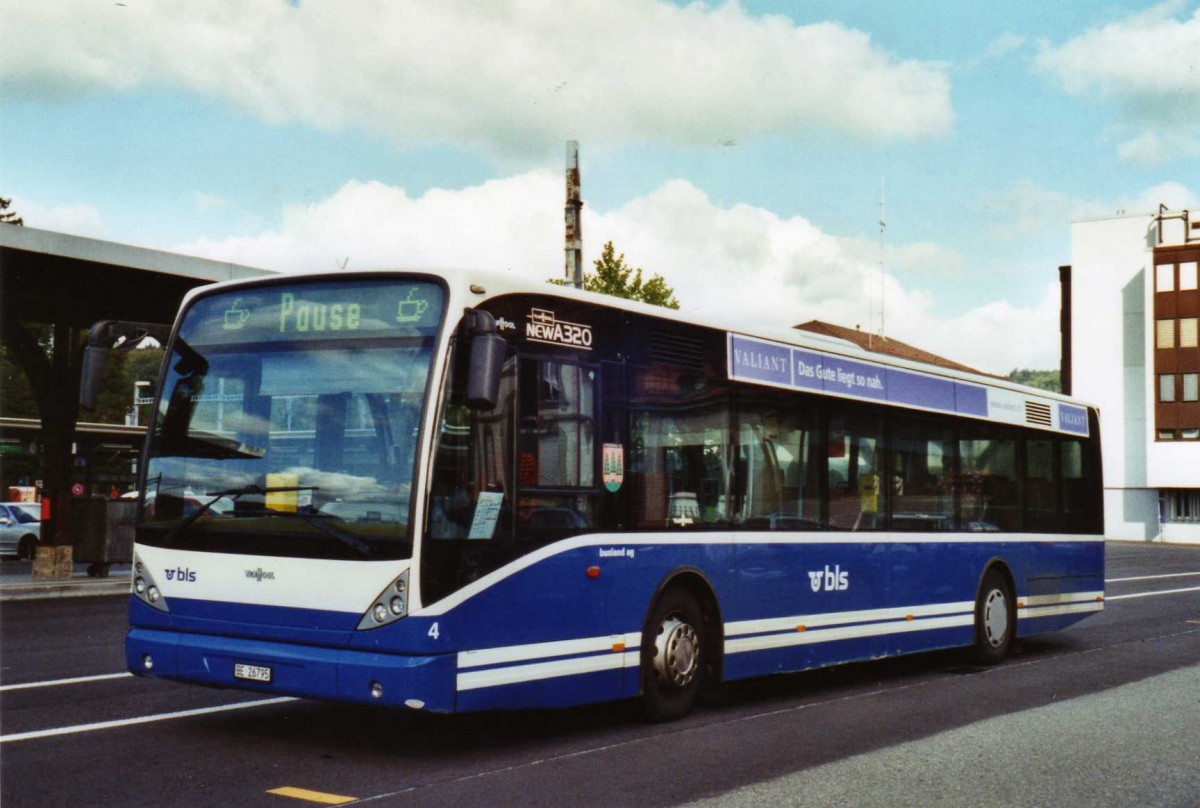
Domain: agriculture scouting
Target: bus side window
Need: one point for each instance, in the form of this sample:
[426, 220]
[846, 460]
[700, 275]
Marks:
[857, 494]
[989, 491]
[919, 479]
[1041, 491]
[556, 456]
[777, 484]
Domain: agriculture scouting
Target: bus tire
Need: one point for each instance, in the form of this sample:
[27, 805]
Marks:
[995, 619]
[25, 549]
[673, 649]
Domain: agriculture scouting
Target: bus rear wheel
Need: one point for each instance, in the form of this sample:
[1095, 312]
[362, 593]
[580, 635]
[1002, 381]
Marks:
[673, 650]
[995, 619]
[26, 548]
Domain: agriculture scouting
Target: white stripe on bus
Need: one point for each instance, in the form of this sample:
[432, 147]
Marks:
[790, 623]
[764, 642]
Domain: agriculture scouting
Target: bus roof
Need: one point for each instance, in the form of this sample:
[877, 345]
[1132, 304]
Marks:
[486, 284]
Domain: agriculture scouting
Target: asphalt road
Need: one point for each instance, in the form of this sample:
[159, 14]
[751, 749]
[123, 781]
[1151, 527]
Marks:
[1106, 713]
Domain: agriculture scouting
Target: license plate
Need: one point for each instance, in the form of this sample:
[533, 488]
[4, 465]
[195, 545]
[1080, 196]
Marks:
[251, 673]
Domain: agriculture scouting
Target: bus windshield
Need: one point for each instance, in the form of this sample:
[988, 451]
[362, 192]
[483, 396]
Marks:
[288, 419]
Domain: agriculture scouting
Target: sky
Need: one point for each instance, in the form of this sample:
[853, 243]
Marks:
[739, 149]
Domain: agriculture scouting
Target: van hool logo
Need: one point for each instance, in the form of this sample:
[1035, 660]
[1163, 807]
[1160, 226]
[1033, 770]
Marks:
[260, 575]
[181, 574]
[543, 326]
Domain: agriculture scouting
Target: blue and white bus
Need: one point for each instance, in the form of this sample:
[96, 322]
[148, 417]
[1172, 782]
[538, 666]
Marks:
[456, 492]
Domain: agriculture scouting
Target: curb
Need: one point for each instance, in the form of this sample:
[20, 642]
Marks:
[71, 588]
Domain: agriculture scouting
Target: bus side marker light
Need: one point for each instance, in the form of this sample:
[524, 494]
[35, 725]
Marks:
[618, 647]
[1099, 598]
[593, 572]
[1020, 604]
[801, 628]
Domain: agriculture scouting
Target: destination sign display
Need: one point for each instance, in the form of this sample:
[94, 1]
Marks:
[778, 365]
[311, 311]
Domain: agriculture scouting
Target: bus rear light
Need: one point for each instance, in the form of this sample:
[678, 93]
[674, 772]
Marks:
[147, 662]
[593, 572]
[376, 690]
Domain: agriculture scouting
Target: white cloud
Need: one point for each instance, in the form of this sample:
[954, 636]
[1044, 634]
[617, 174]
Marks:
[1025, 210]
[1150, 148]
[78, 220]
[737, 264]
[1148, 63]
[507, 76]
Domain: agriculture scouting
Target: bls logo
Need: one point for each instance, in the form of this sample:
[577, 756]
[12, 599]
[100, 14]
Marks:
[181, 574]
[830, 580]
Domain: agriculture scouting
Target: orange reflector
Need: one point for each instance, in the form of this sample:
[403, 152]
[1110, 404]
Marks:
[1099, 598]
[618, 647]
[1020, 604]
[801, 628]
[593, 572]
[908, 617]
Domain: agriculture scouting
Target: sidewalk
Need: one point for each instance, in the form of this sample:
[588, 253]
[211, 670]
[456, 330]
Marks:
[17, 583]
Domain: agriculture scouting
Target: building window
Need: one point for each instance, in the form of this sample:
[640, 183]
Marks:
[1188, 332]
[1166, 387]
[1165, 334]
[1166, 434]
[1190, 434]
[1191, 387]
[1181, 505]
[1164, 278]
[1187, 276]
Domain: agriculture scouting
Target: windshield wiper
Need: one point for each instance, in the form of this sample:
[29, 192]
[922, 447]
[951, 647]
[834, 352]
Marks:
[318, 521]
[312, 519]
[232, 493]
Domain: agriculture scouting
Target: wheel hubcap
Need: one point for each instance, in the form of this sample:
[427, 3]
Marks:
[995, 618]
[676, 652]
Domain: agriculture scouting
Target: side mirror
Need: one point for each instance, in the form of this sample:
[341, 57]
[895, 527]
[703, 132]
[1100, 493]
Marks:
[488, 350]
[101, 338]
[91, 374]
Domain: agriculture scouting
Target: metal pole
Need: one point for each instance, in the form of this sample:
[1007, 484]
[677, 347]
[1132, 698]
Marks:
[574, 231]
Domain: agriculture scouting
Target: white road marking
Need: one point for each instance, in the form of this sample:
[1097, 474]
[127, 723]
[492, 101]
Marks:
[1107, 598]
[144, 719]
[75, 681]
[1151, 577]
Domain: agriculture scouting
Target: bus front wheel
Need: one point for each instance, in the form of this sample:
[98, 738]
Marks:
[995, 619]
[672, 656]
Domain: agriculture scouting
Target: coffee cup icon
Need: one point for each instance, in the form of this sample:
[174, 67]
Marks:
[410, 310]
[235, 316]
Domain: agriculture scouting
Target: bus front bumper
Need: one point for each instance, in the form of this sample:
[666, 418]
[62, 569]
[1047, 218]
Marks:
[283, 669]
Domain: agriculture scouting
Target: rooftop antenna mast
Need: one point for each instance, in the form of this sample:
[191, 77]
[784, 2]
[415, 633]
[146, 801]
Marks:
[882, 257]
[574, 231]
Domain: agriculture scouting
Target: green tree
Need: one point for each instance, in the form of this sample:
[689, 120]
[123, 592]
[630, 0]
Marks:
[1042, 379]
[614, 277]
[9, 216]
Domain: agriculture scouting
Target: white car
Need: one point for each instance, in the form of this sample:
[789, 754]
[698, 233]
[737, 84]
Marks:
[20, 528]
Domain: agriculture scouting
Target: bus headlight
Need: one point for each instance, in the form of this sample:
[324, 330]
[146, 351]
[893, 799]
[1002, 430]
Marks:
[145, 588]
[389, 606]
